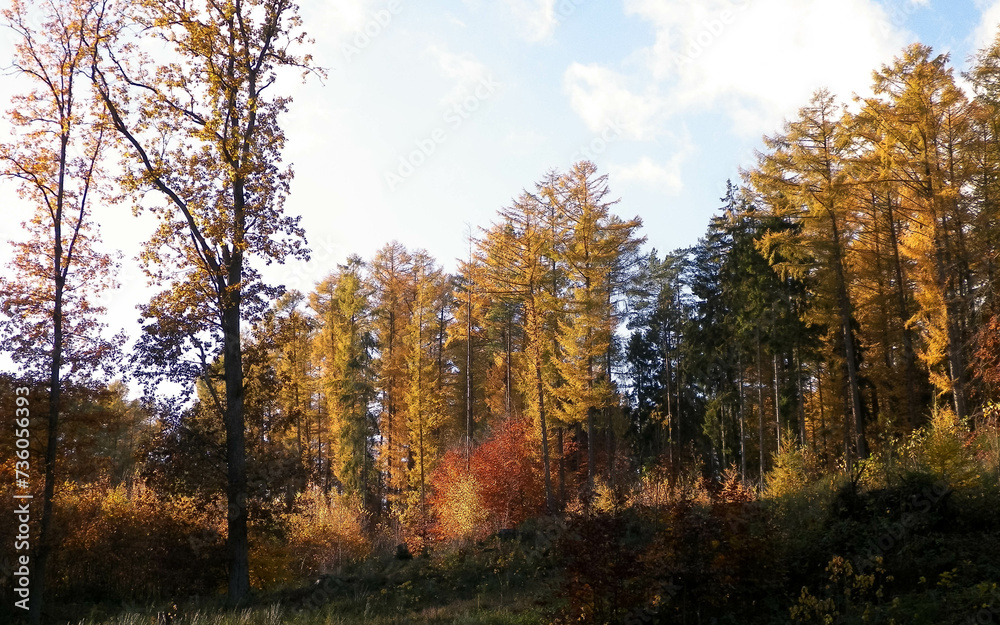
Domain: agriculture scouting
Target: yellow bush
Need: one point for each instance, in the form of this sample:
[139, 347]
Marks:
[792, 469]
[944, 448]
[127, 541]
[325, 531]
[460, 511]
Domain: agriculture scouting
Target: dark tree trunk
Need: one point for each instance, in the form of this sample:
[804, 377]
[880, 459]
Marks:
[237, 545]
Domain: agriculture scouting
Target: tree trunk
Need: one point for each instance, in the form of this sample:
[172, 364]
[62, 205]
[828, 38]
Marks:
[55, 391]
[743, 450]
[591, 444]
[760, 405]
[237, 545]
[857, 425]
[549, 504]
[777, 401]
[55, 399]
[909, 354]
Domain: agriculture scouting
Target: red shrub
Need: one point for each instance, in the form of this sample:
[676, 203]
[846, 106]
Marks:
[499, 487]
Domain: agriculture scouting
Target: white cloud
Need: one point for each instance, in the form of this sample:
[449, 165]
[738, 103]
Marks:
[760, 60]
[537, 18]
[662, 177]
[601, 96]
[524, 141]
[463, 69]
[989, 22]
[343, 18]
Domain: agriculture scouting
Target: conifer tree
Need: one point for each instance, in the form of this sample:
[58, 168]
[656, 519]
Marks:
[344, 352]
[802, 178]
[393, 296]
[925, 118]
[596, 243]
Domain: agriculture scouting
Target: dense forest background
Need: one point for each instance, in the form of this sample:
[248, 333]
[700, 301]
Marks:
[795, 418]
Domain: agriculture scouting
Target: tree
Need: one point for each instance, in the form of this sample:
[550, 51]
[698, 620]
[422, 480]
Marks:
[596, 244]
[802, 177]
[985, 148]
[52, 326]
[392, 301]
[924, 117]
[202, 130]
[344, 349]
[659, 324]
[513, 252]
[424, 397]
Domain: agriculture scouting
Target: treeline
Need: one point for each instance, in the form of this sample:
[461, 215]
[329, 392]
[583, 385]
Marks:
[842, 297]
[880, 225]
[363, 385]
[844, 292]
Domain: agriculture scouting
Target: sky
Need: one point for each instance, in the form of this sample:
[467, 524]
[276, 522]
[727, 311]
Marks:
[434, 114]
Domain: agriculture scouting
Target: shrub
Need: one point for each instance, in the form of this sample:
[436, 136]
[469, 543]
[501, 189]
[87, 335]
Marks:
[501, 487]
[794, 467]
[456, 501]
[128, 542]
[325, 531]
[944, 448]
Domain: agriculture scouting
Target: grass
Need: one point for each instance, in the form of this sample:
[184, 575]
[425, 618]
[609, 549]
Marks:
[493, 582]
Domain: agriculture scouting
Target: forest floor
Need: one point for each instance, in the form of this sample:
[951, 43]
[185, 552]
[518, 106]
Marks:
[918, 551]
[890, 543]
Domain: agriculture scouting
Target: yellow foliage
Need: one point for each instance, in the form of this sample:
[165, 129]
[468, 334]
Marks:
[792, 468]
[849, 592]
[945, 448]
[460, 510]
[607, 498]
[325, 531]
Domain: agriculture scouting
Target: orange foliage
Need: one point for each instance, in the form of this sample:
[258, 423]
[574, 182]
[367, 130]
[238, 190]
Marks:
[988, 355]
[501, 487]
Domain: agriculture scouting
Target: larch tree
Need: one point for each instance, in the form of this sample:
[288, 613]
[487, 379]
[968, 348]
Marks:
[985, 123]
[802, 178]
[424, 398]
[291, 358]
[513, 252]
[200, 128]
[924, 116]
[471, 349]
[392, 298]
[884, 280]
[51, 318]
[595, 244]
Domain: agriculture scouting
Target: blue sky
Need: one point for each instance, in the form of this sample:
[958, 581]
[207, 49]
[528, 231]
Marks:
[435, 114]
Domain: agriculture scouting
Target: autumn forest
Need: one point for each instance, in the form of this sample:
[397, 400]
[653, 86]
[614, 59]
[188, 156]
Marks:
[795, 419]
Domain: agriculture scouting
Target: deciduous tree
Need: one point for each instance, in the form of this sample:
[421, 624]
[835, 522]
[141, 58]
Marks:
[200, 127]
